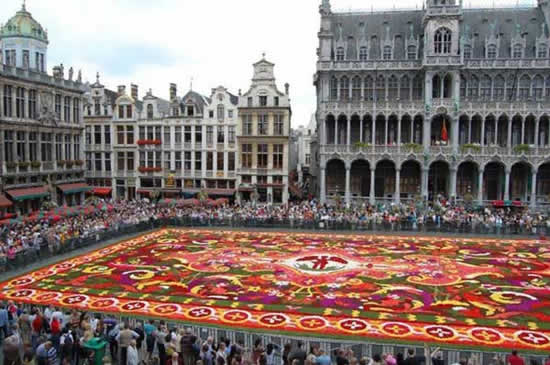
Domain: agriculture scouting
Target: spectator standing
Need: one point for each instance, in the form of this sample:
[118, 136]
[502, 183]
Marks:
[514, 359]
[298, 354]
[132, 354]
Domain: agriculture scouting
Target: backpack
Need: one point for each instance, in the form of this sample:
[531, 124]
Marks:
[68, 345]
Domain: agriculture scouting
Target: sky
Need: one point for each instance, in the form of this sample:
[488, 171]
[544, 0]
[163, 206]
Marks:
[203, 43]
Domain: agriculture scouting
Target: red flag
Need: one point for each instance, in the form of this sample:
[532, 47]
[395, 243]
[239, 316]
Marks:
[444, 134]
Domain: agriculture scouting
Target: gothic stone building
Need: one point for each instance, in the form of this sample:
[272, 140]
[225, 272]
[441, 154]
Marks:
[40, 122]
[443, 101]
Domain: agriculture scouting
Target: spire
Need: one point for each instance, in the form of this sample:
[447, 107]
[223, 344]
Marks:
[325, 7]
[97, 77]
[23, 6]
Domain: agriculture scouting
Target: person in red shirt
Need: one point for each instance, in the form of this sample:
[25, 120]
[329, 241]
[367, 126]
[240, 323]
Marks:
[514, 359]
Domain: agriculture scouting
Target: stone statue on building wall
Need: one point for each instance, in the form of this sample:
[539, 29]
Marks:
[79, 77]
[47, 114]
[71, 71]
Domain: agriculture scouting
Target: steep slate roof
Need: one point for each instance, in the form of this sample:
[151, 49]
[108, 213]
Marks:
[476, 22]
[199, 100]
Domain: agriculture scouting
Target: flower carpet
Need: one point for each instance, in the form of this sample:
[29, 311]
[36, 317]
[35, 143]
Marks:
[469, 293]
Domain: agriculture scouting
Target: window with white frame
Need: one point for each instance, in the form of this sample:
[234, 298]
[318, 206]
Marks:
[333, 88]
[340, 54]
[442, 41]
[344, 88]
[279, 125]
[262, 124]
[231, 134]
[220, 112]
[209, 134]
[363, 54]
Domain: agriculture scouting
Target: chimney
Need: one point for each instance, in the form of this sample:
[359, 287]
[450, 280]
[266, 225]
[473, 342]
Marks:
[121, 90]
[134, 91]
[240, 92]
[173, 91]
[287, 86]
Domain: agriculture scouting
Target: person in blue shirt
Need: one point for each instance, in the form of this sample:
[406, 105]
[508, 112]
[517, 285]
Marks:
[3, 322]
[322, 358]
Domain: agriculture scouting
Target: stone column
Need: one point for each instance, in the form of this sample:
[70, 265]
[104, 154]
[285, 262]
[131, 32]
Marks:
[399, 131]
[496, 132]
[412, 130]
[452, 188]
[470, 130]
[373, 130]
[480, 186]
[348, 186]
[507, 185]
[425, 175]
[522, 131]
[322, 187]
[537, 133]
[534, 188]
[454, 135]
[482, 132]
[509, 142]
[335, 131]
[386, 125]
[371, 195]
[360, 131]
[397, 196]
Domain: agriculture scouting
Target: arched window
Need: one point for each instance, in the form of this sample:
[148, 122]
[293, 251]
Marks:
[405, 90]
[498, 93]
[447, 86]
[436, 87]
[485, 87]
[492, 51]
[363, 54]
[340, 54]
[387, 53]
[517, 51]
[418, 83]
[333, 88]
[149, 111]
[538, 85]
[411, 52]
[442, 41]
[369, 88]
[392, 88]
[380, 88]
[524, 86]
[356, 88]
[511, 87]
[542, 51]
[473, 88]
[467, 52]
[344, 88]
[463, 86]
[220, 112]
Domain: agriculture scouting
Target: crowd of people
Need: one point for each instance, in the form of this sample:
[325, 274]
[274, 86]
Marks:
[32, 336]
[29, 237]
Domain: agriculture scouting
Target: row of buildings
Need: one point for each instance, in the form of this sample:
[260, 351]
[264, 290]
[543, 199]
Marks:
[62, 138]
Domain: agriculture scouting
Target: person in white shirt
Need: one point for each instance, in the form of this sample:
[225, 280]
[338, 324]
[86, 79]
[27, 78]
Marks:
[132, 356]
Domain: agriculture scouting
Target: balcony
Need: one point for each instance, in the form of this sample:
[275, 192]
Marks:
[377, 65]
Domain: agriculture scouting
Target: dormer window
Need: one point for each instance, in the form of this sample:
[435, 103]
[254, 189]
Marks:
[387, 53]
[411, 52]
[149, 111]
[190, 110]
[517, 51]
[492, 51]
[542, 51]
[442, 41]
[128, 111]
[363, 56]
[121, 112]
[263, 100]
[340, 54]
[467, 52]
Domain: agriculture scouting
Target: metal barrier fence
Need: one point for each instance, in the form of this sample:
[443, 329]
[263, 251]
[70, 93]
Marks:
[49, 249]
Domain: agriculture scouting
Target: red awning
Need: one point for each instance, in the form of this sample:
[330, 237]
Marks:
[220, 192]
[28, 193]
[102, 191]
[5, 202]
[74, 188]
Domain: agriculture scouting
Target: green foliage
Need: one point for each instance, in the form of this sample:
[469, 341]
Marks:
[414, 147]
[470, 147]
[361, 145]
[521, 148]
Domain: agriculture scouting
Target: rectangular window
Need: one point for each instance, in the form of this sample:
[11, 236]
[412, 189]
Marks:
[59, 147]
[279, 127]
[198, 161]
[246, 155]
[130, 161]
[276, 101]
[76, 147]
[150, 132]
[178, 160]
[209, 135]
[249, 101]
[187, 160]
[46, 147]
[67, 109]
[262, 156]
[158, 133]
[129, 112]
[107, 134]
[97, 161]
[8, 146]
[89, 161]
[97, 134]
[231, 134]
[58, 105]
[33, 146]
[8, 106]
[120, 134]
[121, 112]
[231, 161]
[230, 113]
[308, 159]
[76, 110]
[221, 135]
[120, 161]
[277, 156]
[167, 159]
[167, 136]
[129, 134]
[209, 161]
[88, 135]
[247, 125]
[190, 111]
[150, 159]
[141, 132]
[187, 134]
[142, 161]
[220, 162]
[198, 134]
[32, 104]
[158, 159]
[21, 141]
[262, 124]
[20, 102]
[263, 100]
[178, 135]
[107, 161]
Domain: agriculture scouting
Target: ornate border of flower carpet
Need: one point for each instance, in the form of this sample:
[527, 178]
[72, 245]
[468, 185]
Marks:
[480, 294]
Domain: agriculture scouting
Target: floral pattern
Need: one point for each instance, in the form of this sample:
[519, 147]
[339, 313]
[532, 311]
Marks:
[459, 292]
